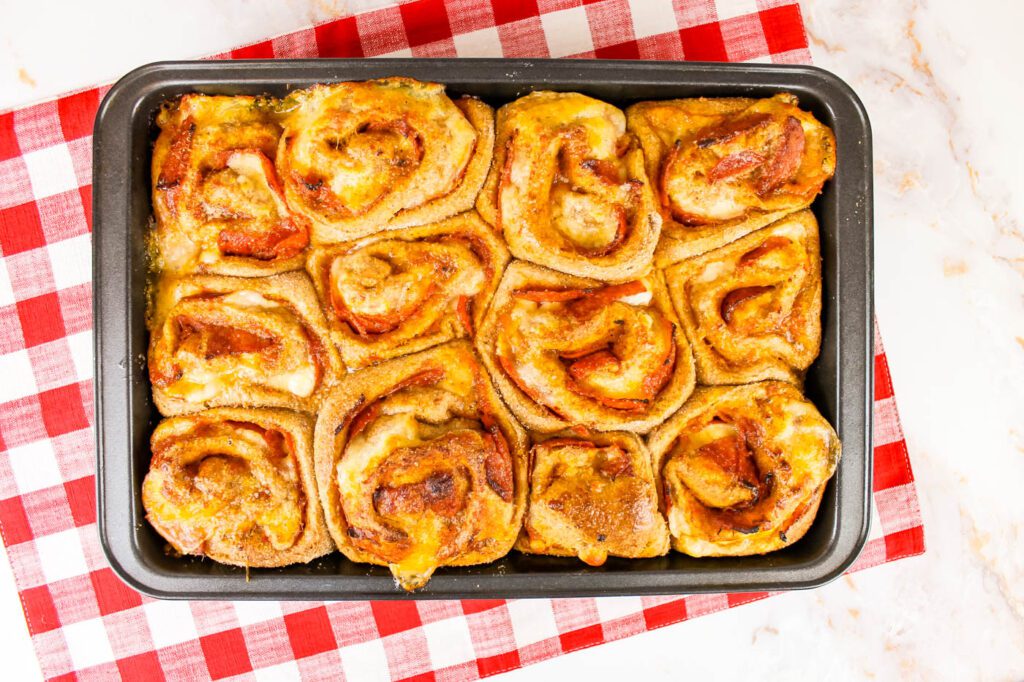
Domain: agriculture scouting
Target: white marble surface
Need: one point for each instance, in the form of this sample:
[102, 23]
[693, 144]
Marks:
[942, 82]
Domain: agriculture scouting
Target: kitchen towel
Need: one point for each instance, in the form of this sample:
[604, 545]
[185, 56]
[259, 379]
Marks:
[85, 623]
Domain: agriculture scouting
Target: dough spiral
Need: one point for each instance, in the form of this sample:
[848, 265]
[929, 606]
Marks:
[752, 309]
[356, 158]
[742, 468]
[568, 188]
[406, 290]
[420, 466]
[593, 495]
[227, 341]
[237, 486]
[218, 202]
[566, 351]
[726, 167]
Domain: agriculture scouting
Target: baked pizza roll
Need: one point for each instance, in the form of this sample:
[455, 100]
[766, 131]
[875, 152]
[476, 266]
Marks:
[218, 202]
[568, 351]
[237, 486]
[230, 341]
[726, 167]
[592, 495]
[742, 468]
[356, 158]
[752, 309]
[403, 291]
[568, 188]
[420, 465]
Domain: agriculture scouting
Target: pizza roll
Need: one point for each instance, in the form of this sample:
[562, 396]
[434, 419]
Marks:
[568, 188]
[237, 486]
[742, 469]
[357, 158]
[246, 342]
[218, 202]
[420, 465]
[726, 167]
[403, 291]
[567, 351]
[592, 495]
[752, 309]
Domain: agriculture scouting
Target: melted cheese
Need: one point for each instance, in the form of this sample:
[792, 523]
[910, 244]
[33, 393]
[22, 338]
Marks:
[201, 382]
[245, 298]
[640, 300]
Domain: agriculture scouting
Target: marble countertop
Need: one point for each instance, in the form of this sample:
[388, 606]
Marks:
[942, 83]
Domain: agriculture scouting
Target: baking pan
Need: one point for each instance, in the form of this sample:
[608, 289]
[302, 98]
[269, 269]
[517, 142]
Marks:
[839, 382]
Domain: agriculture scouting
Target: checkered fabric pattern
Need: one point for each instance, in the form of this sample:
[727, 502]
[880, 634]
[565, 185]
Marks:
[84, 622]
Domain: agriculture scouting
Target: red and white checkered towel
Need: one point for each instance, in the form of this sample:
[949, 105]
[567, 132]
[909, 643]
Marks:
[84, 622]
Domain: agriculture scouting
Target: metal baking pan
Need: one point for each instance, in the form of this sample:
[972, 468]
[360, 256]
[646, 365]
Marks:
[839, 382]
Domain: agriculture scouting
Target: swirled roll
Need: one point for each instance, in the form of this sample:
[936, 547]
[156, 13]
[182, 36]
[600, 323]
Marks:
[752, 309]
[592, 495]
[420, 465]
[356, 158]
[218, 202]
[567, 351]
[403, 291]
[726, 167]
[229, 341]
[742, 468]
[237, 486]
[568, 188]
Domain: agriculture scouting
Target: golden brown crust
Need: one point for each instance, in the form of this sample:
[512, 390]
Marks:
[463, 197]
[216, 196]
[237, 485]
[592, 495]
[568, 188]
[752, 309]
[403, 291]
[357, 158]
[742, 469]
[568, 351]
[420, 465]
[246, 342]
[728, 166]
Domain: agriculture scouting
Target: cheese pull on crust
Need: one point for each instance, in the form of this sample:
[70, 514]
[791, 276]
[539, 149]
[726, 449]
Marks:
[566, 351]
[568, 187]
[218, 202]
[356, 158]
[420, 466]
[752, 309]
[219, 341]
[406, 290]
[742, 469]
[593, 496]
[236, 486]
[725, 167]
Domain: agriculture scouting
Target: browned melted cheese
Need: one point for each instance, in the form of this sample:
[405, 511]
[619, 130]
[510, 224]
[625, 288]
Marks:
[719, 160]
[354, 155]
[425, 478]
[392, 284]
[565, 348]
[405, 290]
[227, 487]
[216, 193]
[209, 344]
[594, 497]
[745, 469]
[571, 182]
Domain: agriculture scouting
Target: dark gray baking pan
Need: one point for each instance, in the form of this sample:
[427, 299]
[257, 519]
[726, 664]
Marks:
[840, 382]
